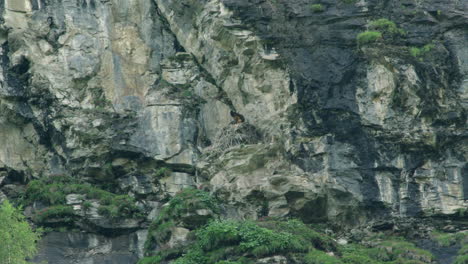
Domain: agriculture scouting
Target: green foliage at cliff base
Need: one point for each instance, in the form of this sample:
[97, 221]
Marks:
[246, 241]
[216, 241]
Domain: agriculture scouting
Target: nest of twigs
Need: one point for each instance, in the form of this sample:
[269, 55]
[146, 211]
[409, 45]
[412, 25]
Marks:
[236, 134]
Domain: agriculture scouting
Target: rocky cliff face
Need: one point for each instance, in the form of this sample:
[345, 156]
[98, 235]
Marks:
[134, 97]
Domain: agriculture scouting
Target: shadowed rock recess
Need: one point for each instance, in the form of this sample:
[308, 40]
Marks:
[115, 120]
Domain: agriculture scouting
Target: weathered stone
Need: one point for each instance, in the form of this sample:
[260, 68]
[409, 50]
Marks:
[178, 237]
[135, 97]
[73, 199]
[273, 260]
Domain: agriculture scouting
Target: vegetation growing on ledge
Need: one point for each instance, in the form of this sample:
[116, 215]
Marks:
[215, 241]
[225, 241]
[419, 52]
[243, 242]
[386, 26]
[462, 257]
[379, 29]
[317, 8]
[53, 192]
[181, 211]
[368, 37]
[64, 212]
[449, 239]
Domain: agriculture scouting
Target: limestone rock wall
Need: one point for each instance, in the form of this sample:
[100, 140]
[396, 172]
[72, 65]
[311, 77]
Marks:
[134, 93]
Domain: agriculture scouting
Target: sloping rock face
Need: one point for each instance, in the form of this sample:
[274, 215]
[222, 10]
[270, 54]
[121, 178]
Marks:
[133, 96]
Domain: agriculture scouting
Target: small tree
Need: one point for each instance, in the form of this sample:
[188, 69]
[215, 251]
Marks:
[17, 239]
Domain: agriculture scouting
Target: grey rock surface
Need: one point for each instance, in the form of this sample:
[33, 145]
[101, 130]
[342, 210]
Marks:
[137, 94]
[83, 248]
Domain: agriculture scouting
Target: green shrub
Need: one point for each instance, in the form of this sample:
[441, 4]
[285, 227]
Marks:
[368, 37]
[242, 242]
[64, 212]
[415, 52]
[320, 257]
[193, 256]
[387, 26]
[239, 238]
[151, 260]
[223, 239]
[402, 249]
[463, 259]
[317, 8]
[18, 241]
[419, 52]
[219, 233]
[463, 250]
[184, 202]
[298, 228]
[448, 239]
[249, 237]
[356, 254]
[262, 241]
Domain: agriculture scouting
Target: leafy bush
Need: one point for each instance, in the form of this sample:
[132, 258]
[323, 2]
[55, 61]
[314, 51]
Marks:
[244, 237]
[243, 242]
[462, 257]
[320, 257]
[419, 52]
[184, 202]
[18, 239]
[317, 8]
[355, 254]
[193, 256]
[151, 260]
[387, 26]
[448, 239]
[219, 233]
[402, 249]
[307, 234]
[64, 212]
[368, 37]
[262, 241]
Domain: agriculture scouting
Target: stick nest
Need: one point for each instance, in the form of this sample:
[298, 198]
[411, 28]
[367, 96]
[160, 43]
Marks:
[236, 134]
